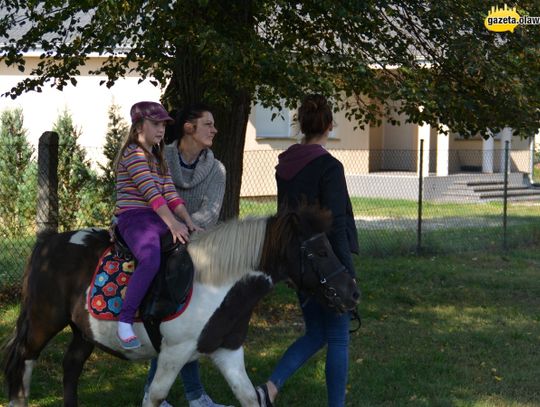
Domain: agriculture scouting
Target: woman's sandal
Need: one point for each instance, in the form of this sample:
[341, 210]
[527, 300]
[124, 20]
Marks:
[262, 396]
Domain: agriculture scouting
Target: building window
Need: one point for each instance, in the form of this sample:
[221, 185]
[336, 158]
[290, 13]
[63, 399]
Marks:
[278, 127]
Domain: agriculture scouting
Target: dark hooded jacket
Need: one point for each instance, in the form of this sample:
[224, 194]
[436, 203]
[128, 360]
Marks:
[307, 172]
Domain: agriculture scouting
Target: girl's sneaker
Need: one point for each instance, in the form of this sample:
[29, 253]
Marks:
[127, 338]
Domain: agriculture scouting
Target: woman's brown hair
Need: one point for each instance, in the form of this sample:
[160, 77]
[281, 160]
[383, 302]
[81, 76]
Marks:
[315, 116]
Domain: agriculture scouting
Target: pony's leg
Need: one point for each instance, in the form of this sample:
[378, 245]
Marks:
[231, 365]
[21, 398]
[34, 330]
[78, 352]
[170, 361]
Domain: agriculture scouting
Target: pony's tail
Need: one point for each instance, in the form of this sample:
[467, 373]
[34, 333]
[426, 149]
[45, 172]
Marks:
[14, 349]
[13, 360]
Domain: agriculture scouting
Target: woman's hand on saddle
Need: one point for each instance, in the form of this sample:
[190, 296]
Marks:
[183, 214]
[179, 231]
[193, 227]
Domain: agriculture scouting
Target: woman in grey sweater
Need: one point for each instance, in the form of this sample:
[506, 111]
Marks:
[199, 178]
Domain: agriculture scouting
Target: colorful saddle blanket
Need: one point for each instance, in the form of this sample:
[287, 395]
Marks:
[108, 287]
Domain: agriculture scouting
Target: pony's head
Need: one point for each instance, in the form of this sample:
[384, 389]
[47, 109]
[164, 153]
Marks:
[296, 247]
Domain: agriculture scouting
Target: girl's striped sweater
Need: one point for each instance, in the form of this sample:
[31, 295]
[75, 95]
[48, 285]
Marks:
[140, 183]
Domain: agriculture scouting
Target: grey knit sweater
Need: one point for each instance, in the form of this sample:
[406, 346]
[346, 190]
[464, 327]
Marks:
[202, 189]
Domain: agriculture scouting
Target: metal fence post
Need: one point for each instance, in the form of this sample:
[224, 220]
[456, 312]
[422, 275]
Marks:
[420, 186]
[47, 194]
[505, 193]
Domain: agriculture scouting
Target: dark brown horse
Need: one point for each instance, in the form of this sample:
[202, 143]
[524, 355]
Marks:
[236, 264]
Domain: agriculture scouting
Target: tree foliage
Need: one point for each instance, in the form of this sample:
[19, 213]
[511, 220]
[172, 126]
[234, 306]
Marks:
[432, 60]
[74, 173]
[99, 198]
[18, 181]
[117, 130]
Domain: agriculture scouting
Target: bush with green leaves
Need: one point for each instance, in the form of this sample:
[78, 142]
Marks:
[117, 131]
[18, 176]
[98, 203]
[75, 176]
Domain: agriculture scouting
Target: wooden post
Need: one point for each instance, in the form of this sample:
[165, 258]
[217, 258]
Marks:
[47, 194]
[420, 198]
[505, 194]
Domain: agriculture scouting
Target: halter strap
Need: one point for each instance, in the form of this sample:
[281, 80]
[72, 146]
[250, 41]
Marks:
[329, 292]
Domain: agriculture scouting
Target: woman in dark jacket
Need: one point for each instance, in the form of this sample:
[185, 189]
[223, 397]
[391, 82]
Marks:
[306, 172]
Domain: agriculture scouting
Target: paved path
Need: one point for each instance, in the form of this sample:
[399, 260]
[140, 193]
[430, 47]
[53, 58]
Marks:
[385, 223]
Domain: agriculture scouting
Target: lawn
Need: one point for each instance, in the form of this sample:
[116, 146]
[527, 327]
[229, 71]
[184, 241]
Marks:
[458, 330]
[406, 209]
[385, 227]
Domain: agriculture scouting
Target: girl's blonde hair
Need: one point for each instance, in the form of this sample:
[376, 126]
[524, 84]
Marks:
[133, 138]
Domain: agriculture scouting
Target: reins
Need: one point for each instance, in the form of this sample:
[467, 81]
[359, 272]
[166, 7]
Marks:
[355, 316]
[329, 292]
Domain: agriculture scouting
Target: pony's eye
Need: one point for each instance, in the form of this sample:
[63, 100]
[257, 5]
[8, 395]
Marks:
[322, 253]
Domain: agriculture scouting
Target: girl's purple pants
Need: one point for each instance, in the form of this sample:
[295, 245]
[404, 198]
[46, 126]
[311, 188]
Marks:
[141, 230]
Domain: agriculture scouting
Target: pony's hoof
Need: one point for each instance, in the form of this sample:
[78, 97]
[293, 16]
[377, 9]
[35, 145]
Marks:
[164, 403]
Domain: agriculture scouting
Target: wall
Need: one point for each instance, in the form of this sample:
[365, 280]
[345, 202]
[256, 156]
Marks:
[261, 153]
[88, 102]
[398, 139]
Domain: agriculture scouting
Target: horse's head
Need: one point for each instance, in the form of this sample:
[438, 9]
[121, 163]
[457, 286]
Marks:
[298, 248]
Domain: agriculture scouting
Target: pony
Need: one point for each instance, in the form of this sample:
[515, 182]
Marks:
[236, 264]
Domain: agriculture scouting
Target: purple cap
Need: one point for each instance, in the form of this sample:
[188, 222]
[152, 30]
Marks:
[149, 110]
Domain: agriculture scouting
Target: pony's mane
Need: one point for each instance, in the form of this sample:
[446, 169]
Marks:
[287, 227]
[227, 251]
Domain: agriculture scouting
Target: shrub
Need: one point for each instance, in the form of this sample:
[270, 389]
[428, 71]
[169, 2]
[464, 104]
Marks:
[18, 175]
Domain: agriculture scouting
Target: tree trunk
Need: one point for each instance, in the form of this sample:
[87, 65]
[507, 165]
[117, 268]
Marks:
[229, 149]
[194, 80]
[231, 122]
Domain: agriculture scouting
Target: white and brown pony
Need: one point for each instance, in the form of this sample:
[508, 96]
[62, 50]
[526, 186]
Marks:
[236, 264]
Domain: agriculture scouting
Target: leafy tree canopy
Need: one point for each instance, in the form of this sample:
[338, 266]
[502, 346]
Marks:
[432, 60]
[441, 55]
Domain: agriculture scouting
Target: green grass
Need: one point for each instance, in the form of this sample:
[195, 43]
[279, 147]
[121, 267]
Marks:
[387, 227]
[455, 330]
[404, 209]
[264, 206]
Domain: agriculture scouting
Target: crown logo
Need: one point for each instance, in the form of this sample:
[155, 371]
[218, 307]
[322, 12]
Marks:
[502, 19]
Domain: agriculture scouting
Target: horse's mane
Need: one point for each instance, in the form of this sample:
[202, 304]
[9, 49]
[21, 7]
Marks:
[234, 248]
[227, 251]
[287, 227]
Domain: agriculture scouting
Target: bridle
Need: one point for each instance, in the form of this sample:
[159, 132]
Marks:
[307, 255]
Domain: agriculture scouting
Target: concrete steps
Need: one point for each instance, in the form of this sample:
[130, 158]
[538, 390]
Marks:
[485, 190]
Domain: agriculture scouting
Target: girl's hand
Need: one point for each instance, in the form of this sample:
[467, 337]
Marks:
[193, 227]
[179, 232]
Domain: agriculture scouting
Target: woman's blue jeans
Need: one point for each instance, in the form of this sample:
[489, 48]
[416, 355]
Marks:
[322, 327]
[193, 388]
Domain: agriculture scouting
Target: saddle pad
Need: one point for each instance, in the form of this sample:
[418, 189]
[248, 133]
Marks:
[109, 284]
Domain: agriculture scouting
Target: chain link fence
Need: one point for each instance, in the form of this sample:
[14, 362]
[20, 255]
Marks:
[404, 201]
